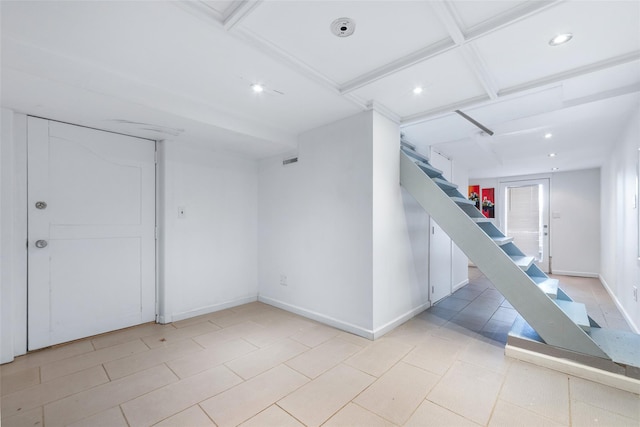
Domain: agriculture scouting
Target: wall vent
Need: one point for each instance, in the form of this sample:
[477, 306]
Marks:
[289, 161]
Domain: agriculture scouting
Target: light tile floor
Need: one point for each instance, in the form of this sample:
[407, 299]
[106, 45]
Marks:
[256, 365]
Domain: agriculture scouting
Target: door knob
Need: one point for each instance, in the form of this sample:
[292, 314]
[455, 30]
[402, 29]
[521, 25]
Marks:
[41, 205]
[41, 244]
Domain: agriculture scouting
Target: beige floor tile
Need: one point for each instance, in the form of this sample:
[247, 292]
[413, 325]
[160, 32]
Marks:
[20, 380]
[39, 358]
[318, 400]
[246, 400]
[81, 362]
[228, 318]
[110, 418]
[315, 335]
[91, 402]
[262, 360]
[162, 403]
[430, 414]
[273, 416]
[192, 417]
[468, 391]
[170, 336]
[193, 321]
[397, 393]
[141, 361]
[51, 391]
[377, 358]
[236, 331]
[356, 416]
[413, 332]
[537, 389]
[507, 415]
[435, 354]
[604, 397]
[129, 334]
[585, 415]
[323, 357]
[271, 334]
[486, 353]
[31, 418]
[354, 339]
[209, 358]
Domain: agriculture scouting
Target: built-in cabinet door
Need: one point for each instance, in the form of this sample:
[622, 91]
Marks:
[91, 238]
[440, 252]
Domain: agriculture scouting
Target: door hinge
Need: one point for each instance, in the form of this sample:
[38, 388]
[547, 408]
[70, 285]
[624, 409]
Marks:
[155, 232]
[155, 157]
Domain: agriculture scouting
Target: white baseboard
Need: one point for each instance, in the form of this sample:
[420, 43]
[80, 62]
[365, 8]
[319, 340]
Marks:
[626, 316]
[461, 284]
[574, 273]
[377, 333]
[208, 309]
[327, 320]
[610, 379]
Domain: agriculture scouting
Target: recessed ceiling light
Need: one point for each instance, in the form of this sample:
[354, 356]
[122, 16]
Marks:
[554, 169]
[418, 90]
[552, 154]
[560, 39]
[548, 135]
[257, 88]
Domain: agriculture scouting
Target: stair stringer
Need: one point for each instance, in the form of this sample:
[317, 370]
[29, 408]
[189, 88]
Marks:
[542, 314]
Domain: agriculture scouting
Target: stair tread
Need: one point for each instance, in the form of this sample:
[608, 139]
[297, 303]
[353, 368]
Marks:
[481, 219]
[444, 183]
[462, 201]
[502, 240]
[524, 262]
[547, 285]
[576, 311]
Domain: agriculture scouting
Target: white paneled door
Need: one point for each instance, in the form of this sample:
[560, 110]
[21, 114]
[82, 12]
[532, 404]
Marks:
[440, 245]
[91, 232]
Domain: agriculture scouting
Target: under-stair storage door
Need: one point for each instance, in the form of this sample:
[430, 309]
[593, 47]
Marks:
[526, 218]
[91, 245]
[440, 249]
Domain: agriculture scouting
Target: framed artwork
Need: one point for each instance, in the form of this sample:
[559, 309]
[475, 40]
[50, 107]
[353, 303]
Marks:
[474, 194]
[488, 202]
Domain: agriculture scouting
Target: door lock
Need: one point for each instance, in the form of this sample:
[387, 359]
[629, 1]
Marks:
[41, 205]
[41, 244]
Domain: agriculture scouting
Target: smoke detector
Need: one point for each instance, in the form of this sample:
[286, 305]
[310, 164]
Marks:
[343, 27]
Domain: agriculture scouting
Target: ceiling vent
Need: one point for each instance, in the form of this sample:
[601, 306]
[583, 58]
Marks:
[343, 27]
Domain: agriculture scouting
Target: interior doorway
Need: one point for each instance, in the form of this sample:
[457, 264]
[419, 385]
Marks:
[526, 218]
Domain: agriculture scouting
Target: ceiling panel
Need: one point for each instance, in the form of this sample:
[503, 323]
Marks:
[445, 79]
[520, 53]
[476, 13]
[385, 31]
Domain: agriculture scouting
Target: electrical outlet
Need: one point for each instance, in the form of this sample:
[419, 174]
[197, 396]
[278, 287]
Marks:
[635, 293]
[283, 280]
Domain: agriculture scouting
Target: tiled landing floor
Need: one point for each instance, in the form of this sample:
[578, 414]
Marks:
[256, 365]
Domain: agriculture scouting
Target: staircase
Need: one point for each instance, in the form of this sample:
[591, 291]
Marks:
[557, 319]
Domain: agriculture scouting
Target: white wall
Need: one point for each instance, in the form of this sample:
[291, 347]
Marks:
[400, 236]
[13, 235]
[315, 222]
[620, 266]
[208, 259]
[575, 196]
[575, 222]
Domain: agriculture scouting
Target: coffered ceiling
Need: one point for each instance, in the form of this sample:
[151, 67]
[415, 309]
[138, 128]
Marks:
[183, 70]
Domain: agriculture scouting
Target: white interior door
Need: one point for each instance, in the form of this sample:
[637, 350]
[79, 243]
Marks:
[440, 249]
[91, 232]
[526, 218]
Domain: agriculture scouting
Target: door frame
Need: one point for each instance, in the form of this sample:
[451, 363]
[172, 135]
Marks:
[545, 181]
